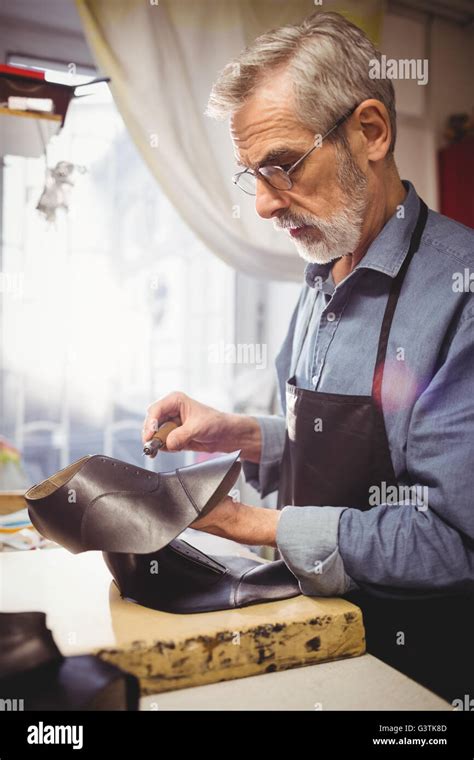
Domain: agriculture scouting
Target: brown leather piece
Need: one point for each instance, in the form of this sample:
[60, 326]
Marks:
[134, 516]
[182, 579]
[34, 673]
[108, 505]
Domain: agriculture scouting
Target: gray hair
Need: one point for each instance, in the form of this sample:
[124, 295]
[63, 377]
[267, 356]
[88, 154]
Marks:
[328, 59]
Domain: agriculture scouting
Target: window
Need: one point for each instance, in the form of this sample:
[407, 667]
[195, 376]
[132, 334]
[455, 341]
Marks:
[111, 306]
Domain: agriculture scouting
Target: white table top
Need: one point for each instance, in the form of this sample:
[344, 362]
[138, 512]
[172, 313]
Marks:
[358, 683]
[81, 619]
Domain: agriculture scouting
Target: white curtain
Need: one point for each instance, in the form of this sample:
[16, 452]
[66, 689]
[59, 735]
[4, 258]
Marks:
[162, 57]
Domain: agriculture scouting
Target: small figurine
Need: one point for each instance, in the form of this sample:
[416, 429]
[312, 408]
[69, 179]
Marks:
[57, 188]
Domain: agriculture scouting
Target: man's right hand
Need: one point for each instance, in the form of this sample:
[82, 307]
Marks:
[202, 428]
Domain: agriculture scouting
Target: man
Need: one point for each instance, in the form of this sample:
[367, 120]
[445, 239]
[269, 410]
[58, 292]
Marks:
[373, 461]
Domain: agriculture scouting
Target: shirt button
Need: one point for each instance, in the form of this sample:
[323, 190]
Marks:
[330, 316]
[315, 380]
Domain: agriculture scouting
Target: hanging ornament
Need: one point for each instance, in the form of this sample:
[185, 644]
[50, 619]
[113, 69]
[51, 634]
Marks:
[57, 189]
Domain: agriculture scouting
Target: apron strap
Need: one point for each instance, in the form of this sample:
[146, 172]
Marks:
[392, 304]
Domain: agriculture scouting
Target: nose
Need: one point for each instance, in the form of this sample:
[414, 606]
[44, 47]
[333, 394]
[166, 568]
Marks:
[269, 201]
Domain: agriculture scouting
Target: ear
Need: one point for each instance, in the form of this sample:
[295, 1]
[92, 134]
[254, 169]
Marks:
[373, 121]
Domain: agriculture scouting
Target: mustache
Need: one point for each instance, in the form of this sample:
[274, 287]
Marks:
[289, 222]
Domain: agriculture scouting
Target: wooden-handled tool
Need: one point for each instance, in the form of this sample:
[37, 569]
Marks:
[159, 439]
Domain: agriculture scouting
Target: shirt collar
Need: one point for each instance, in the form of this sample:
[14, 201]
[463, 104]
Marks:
[387, 252]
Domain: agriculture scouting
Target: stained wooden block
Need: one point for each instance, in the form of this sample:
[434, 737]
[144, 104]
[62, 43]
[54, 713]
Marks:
[175, 651]
[87, 615]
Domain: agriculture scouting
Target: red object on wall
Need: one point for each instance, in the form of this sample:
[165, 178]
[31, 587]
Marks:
[21, 72]
[456, 181]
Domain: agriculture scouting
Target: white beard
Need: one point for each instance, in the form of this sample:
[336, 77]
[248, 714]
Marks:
[340, 234]
[331, 238]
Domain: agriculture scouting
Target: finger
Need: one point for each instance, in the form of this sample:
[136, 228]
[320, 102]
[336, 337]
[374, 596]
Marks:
[179, 438]
[163, 409]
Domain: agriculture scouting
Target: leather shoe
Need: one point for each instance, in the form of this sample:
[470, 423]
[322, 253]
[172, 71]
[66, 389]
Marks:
[34, 675]
[25, 642]
[182, 579]
[105, 504]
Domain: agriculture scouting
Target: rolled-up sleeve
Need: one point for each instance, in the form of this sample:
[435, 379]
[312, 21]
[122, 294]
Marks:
[265, 476]
[307, 539]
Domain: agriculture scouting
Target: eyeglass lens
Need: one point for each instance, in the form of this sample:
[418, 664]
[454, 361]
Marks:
[275, 176]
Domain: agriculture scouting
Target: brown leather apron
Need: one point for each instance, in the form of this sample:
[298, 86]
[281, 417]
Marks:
[336, 449]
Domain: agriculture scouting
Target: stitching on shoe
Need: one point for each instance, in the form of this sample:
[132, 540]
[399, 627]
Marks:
[186, 491]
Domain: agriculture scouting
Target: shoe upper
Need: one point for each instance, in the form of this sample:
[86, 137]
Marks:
[105, 504]
[182, 579]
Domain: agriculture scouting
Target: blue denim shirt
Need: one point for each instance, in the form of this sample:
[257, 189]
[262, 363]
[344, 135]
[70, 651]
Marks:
[394, 549]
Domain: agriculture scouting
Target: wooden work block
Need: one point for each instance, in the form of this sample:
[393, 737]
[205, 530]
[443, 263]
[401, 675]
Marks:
[175, 651]
[87, 615]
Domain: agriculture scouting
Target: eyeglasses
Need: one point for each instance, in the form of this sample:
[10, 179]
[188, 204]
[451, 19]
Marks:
[276, 176]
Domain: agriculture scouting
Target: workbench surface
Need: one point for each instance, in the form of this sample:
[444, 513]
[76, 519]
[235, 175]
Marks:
[173, 652]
